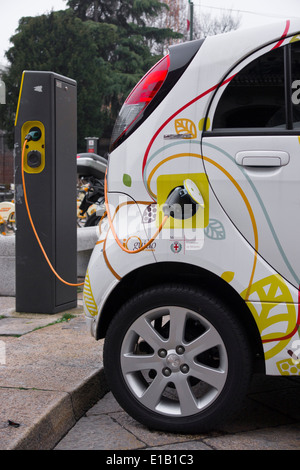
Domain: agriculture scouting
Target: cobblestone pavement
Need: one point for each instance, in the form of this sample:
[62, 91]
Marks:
[53, 395]
[269, 420]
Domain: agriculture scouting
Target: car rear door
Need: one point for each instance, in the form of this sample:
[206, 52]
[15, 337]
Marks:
[251, 153]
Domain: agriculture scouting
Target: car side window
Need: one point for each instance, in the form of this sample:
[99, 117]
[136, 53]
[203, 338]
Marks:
[295, 94]
[255, 97]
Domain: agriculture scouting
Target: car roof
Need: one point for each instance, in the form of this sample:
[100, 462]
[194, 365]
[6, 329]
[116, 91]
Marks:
[248, 39]
[223, 51]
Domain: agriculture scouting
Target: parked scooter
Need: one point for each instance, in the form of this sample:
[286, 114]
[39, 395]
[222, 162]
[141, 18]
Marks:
[91, 170]
[7, 210]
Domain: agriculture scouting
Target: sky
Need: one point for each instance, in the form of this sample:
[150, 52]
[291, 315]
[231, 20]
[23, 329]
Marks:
[252, 12]
[12, 10]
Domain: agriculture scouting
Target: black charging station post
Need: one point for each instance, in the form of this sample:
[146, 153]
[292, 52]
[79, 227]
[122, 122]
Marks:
[47, 104]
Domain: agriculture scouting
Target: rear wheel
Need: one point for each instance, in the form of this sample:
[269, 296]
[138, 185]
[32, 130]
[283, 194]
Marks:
[176, 359]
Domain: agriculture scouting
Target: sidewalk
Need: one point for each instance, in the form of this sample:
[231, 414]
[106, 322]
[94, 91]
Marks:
[51, 376]
[52, 384]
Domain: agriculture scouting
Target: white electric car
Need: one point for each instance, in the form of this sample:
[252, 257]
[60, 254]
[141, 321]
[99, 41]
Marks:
[194, 281]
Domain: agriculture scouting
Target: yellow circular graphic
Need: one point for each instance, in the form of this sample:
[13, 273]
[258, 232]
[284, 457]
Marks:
[201, 124]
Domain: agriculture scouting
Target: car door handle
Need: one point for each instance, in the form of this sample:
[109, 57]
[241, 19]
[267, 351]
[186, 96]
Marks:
[258, 158]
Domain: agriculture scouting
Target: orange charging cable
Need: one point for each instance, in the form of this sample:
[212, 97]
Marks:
[33, 226]
[114, 232]
[108, 216]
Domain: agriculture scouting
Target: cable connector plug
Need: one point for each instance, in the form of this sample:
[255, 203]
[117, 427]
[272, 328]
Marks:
[28, 137]
[34, 134]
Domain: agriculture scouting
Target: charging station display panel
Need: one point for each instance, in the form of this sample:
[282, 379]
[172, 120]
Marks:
[47, 109]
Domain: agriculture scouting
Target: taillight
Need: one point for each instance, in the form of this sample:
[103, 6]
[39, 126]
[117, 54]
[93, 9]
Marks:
[152, 89]
[149, 85]
[139, 99]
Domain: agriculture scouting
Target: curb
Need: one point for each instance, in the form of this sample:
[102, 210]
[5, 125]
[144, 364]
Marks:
[50, 428]
[52, 375]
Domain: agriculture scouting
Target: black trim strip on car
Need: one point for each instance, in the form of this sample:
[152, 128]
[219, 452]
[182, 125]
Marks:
[288, 85]
[250, 132]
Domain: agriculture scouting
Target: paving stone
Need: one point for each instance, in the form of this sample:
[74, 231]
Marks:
[38, 360]
[247, 430]
[21, 326]
[107, 404]
[37, 417]
[99, 433]
[150, 437]
[190, 445]
[52, 376]
[49, 379]
[277, 438]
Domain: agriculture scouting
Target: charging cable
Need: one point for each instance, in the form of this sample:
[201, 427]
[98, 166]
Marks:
[29, 137]
[34, 136]
[180, 196]
[142, 248]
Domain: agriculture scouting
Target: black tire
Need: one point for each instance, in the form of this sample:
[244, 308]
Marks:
[92, 220]
[177, 360]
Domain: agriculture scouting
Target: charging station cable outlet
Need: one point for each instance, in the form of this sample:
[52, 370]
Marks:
[34, 155]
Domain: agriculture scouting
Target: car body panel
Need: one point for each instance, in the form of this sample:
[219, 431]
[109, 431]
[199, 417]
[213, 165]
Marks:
[239, 236]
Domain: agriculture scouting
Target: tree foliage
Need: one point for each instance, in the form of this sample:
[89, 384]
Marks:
[62, 43]
[106, 46]
[120, 12]
[102, 45]
[204, 24]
